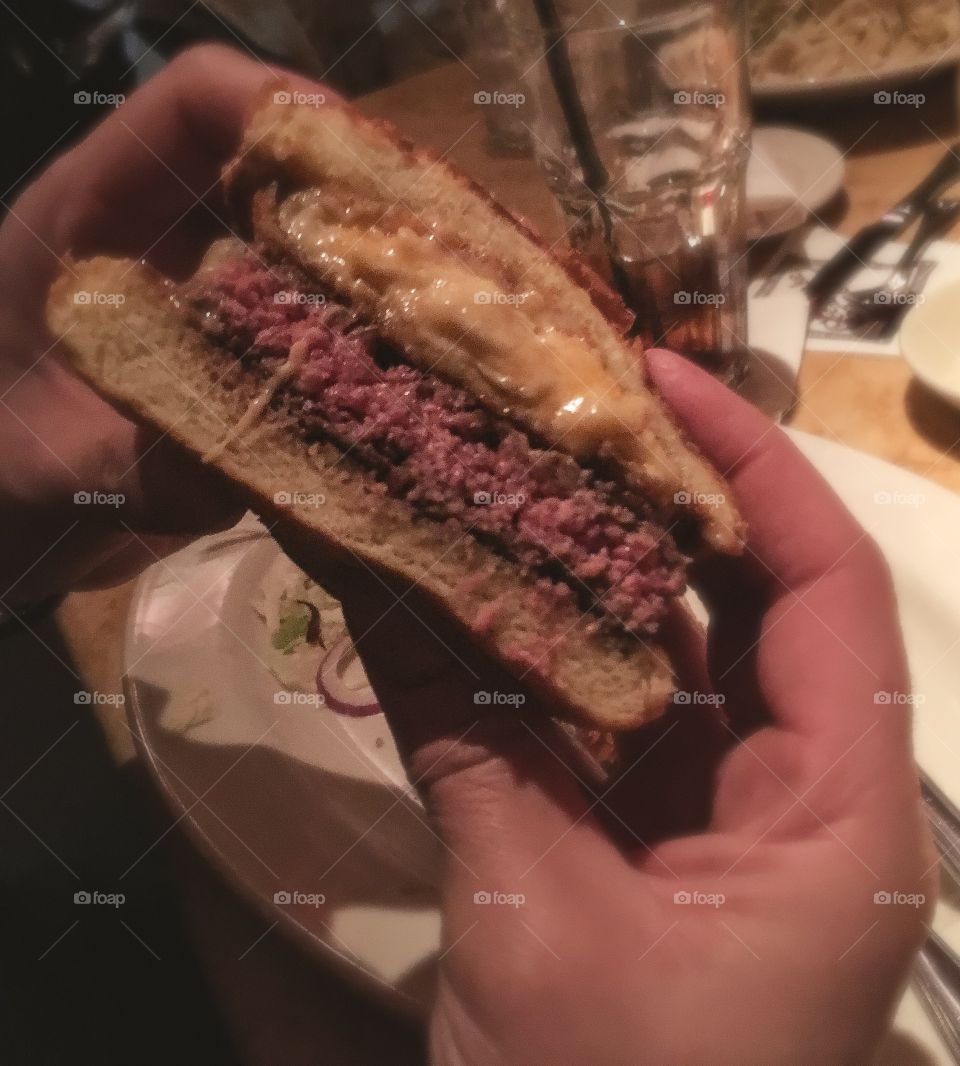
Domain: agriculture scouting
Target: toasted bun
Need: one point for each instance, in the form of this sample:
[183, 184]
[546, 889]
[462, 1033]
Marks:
[144, 358]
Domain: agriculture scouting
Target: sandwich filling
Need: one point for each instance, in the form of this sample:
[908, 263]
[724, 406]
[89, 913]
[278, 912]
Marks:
[433, 446]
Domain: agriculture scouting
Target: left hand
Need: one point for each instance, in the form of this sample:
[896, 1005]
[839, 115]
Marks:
[143, 184]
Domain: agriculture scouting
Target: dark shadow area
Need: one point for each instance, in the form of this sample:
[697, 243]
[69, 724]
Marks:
[84, 982]
[94, 983]
[933, 418]
[769, 384]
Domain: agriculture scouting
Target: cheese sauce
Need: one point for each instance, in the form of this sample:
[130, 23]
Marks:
[432, 302]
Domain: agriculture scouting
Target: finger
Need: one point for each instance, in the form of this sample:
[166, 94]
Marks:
[162, 153]
[829, 639]
[145, 182]
[798, 528]
[133, 555]
[497, 783]
[158, 487]
[166, 490]
[664, 786]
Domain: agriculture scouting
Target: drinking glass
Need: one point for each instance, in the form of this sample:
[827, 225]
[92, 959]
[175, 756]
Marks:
[499, 92]
[640, 123]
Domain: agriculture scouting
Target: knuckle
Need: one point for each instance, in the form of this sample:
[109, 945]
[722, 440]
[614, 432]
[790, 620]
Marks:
[198, 62]
[871, 563]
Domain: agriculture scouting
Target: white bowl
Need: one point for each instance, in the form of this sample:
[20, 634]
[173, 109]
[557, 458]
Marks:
[930, 342]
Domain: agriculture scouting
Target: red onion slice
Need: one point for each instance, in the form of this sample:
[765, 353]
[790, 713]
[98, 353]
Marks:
[343, 684]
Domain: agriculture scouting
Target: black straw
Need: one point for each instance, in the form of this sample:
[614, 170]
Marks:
[595, 175]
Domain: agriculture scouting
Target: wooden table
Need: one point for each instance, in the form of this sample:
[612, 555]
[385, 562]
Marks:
[866, 403]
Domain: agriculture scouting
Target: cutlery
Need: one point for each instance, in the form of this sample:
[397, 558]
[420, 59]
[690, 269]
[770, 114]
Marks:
[858, 250]
[936, 971]
[886, 304]
[944, 820]
[935, 977]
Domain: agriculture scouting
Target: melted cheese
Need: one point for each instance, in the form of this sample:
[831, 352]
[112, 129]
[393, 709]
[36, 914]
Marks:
[431, 302]
[254, 412]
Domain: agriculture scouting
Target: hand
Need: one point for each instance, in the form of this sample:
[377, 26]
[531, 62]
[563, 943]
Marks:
[143, 184]
[717, 904]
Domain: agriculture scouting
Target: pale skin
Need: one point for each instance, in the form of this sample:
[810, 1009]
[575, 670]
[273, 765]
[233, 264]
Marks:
[789, 810]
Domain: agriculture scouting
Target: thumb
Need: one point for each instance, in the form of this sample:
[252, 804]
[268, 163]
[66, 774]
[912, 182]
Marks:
[495, 772]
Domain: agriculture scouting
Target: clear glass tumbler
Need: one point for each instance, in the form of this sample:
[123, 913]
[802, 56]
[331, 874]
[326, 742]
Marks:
[492, 60]
[640, 122]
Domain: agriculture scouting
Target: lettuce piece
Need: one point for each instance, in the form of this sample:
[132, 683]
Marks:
[292, 629]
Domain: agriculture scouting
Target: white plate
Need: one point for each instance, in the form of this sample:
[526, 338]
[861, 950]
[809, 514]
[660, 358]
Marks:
[292, 798]
[791, 174]
[854, 82]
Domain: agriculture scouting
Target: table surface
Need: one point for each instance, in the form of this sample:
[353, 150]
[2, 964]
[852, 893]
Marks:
[864, 402]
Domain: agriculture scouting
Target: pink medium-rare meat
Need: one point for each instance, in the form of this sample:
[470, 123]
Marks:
[433, 446]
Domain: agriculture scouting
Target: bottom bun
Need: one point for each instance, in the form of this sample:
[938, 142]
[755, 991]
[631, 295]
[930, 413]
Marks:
[326, 511]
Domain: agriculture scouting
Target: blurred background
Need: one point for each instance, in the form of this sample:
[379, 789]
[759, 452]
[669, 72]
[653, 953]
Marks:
[53, 48]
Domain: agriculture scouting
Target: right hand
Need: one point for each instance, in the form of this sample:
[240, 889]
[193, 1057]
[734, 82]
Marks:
[788, 812]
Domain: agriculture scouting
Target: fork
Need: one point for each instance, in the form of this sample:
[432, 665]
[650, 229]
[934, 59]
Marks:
[885, 304]
[936, 972]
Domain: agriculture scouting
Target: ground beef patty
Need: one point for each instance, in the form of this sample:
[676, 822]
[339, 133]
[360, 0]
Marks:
[432, 445]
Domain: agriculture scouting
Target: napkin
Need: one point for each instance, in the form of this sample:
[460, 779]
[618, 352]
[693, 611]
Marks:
[777, 313]
[828, 332]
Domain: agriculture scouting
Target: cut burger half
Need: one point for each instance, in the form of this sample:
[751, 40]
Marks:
[395, 374]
